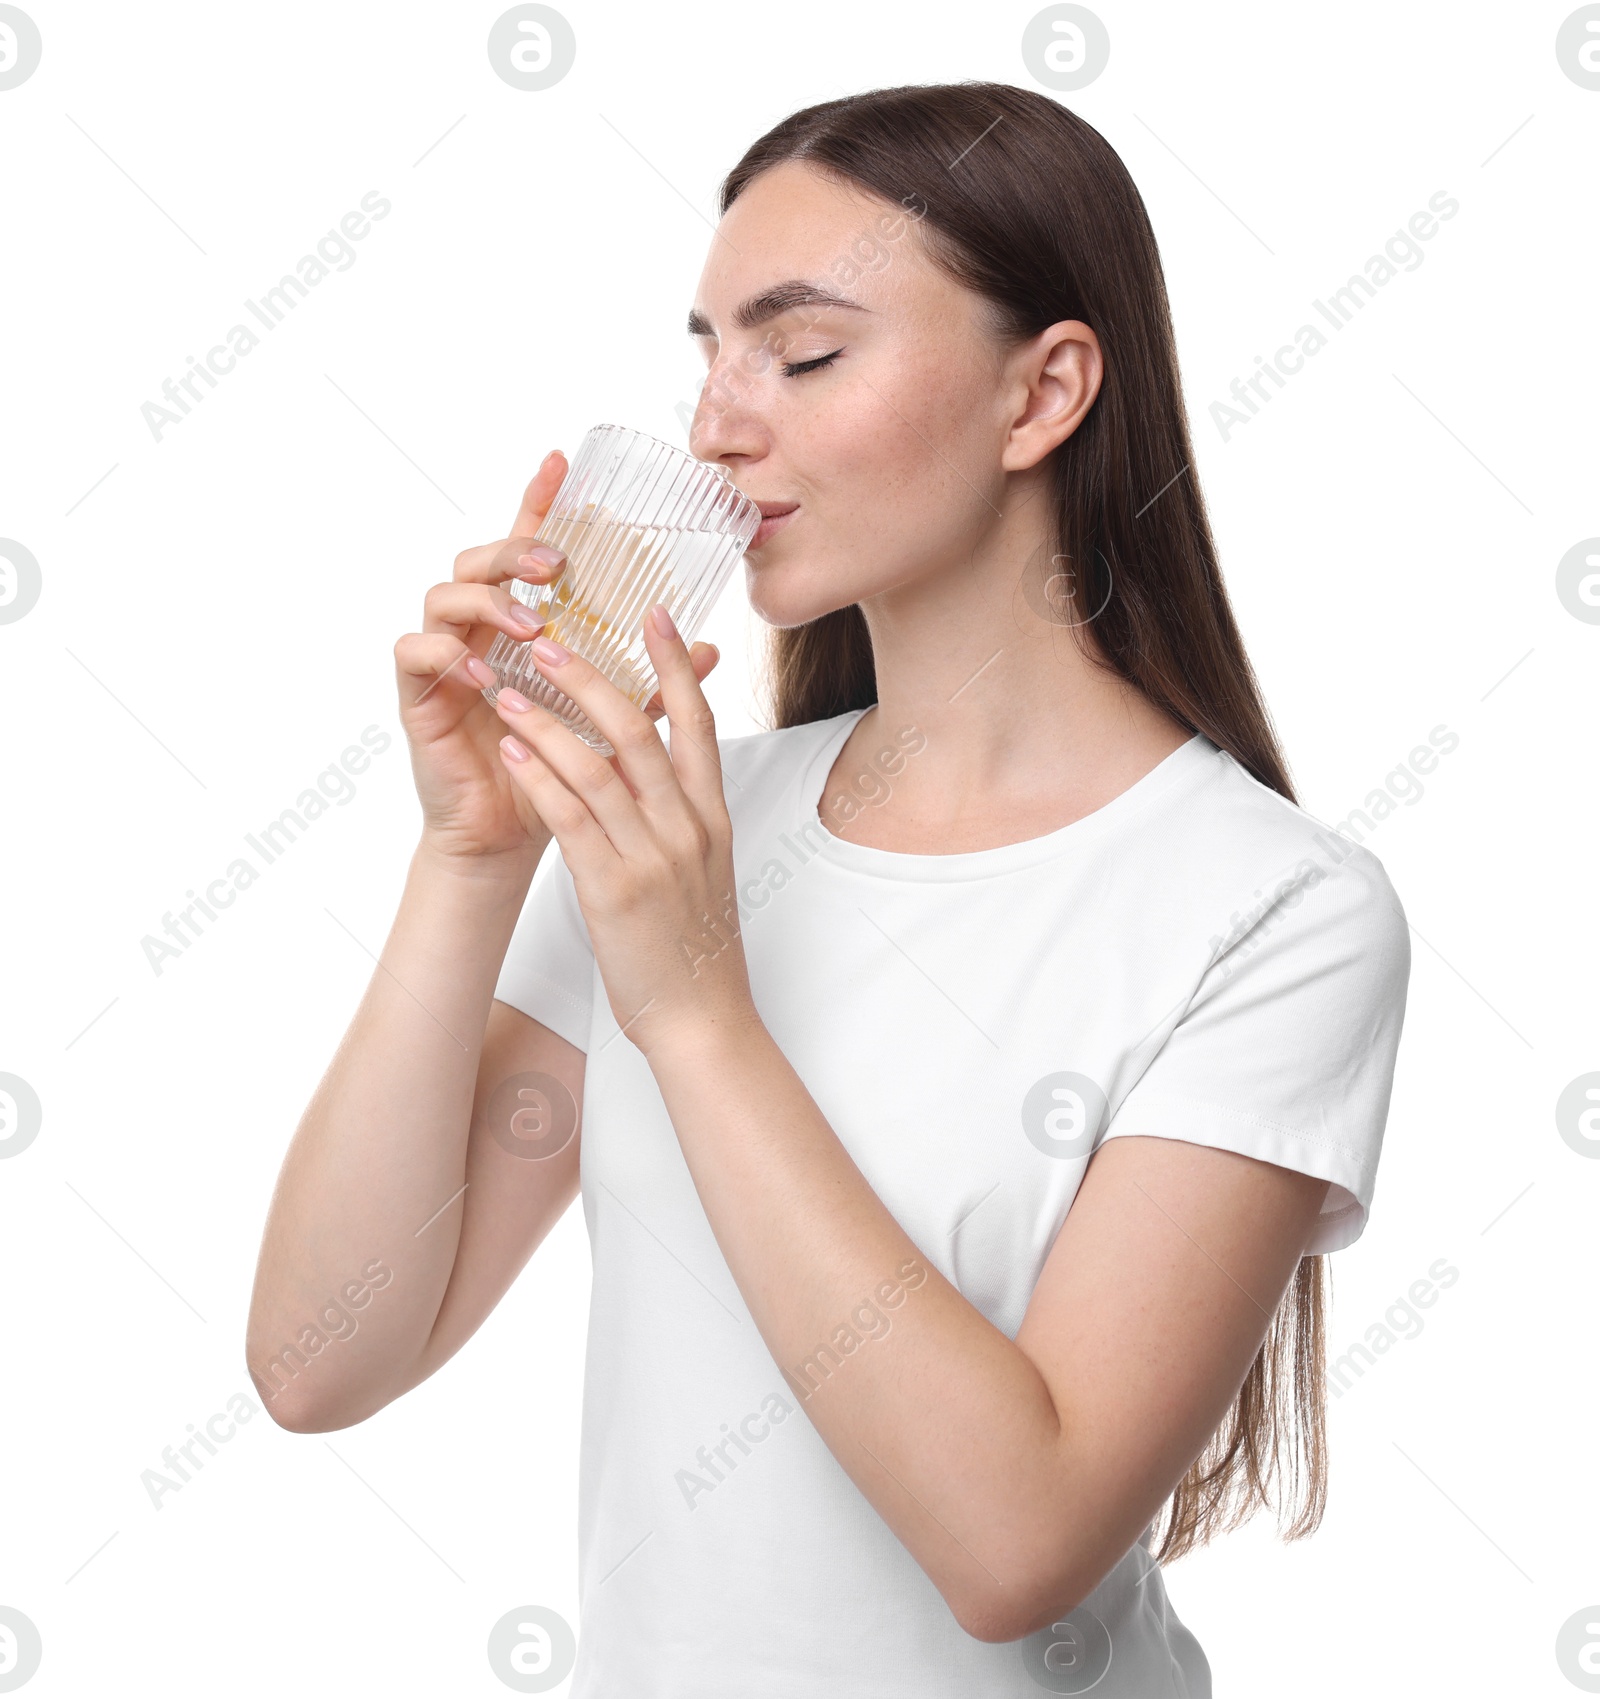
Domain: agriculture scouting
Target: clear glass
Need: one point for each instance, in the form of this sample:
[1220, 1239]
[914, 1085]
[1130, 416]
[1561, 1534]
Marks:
[640, 522]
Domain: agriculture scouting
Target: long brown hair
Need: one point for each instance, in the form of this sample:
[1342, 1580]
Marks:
[1021, 201]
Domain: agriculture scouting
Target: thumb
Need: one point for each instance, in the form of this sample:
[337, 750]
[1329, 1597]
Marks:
[540, 493]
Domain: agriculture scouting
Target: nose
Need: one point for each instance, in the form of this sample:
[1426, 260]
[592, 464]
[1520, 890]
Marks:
[727, 424]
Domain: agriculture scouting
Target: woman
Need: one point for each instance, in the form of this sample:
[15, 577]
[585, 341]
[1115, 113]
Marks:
[974, 1067]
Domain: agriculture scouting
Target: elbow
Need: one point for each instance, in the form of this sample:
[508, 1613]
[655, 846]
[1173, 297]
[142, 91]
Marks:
[1007, 1612]
[991, 1624]
[292, 1408]
[996, 1622]
[301, 1418]
[293, 1415]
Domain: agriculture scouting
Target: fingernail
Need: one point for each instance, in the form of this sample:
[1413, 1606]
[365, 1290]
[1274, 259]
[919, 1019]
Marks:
[545, 555]
[663, 620]
[521, 614]
[513, 750]
[514, 700]
[479, 670]
[551, 653]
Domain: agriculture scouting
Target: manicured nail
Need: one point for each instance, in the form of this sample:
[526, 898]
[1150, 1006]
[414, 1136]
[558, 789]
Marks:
[514, 700]
[521, 614]
[541, 554]
[550, 652]
[663, 620]
[512, 750]
[481, 671]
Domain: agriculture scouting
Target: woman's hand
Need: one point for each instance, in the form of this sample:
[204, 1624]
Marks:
[646, 837]
[470, 808]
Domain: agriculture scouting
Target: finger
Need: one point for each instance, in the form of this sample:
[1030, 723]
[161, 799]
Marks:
[598, 781]
[695, 757]
[639, 750]
[495, 563]
[424, 662]
[457, 608]
[507, 558]
[568, 819]
[541, 491]
[704, 657]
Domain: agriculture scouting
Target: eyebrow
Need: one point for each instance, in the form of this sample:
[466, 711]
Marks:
[780, 298]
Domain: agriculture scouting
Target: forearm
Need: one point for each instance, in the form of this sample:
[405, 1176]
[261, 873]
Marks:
[376, 1167]
[941, 1421]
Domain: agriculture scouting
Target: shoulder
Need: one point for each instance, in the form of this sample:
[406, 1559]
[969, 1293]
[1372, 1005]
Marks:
[1254, 856]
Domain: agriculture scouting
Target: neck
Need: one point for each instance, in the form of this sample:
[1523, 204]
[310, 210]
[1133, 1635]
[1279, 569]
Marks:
[1015, 710]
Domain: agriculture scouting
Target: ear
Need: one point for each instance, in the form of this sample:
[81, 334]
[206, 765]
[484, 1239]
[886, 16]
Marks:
[1058, 373]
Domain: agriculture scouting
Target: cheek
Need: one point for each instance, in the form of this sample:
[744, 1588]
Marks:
[937, 420]
[911, 442]
[897, 471]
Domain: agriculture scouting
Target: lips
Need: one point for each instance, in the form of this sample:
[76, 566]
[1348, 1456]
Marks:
[774, 516]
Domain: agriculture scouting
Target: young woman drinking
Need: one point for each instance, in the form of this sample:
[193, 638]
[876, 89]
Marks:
[965, 1078]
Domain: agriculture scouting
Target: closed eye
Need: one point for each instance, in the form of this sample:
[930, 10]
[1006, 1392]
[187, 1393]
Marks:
[803, 366]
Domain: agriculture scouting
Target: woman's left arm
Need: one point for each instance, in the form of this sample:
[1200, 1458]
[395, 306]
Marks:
[1016, 1472]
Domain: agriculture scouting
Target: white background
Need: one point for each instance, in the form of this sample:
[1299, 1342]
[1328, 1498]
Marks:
[216, 622]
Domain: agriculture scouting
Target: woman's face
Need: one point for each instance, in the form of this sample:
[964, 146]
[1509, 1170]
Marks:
[892, 447]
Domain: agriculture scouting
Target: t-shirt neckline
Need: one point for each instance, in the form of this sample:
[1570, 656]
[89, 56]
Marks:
[983, 863]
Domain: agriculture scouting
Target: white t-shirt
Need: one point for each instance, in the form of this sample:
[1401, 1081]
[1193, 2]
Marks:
[1196, 960]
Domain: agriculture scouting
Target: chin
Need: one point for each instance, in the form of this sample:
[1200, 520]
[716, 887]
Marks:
[786, 595]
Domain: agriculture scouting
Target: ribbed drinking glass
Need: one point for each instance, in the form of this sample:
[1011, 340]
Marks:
[640, 522]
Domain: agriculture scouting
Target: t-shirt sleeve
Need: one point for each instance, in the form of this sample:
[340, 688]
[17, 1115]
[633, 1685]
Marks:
[1286, 1050]
[549, 967]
